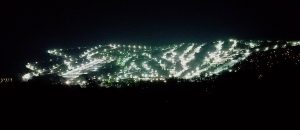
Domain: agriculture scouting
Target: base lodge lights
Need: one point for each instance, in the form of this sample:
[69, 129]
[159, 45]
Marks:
[116, 62]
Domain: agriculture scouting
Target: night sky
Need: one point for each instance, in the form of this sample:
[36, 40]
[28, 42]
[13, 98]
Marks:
[31, 27]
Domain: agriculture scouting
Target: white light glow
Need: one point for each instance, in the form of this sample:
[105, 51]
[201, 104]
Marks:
[115, 62]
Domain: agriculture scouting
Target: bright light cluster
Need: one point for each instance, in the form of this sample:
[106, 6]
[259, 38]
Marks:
[116, 62]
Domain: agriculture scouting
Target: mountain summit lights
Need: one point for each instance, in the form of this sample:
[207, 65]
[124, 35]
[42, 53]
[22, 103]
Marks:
[115, 62]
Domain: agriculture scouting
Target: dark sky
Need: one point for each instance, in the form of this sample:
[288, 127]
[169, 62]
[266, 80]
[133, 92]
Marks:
[31, 27]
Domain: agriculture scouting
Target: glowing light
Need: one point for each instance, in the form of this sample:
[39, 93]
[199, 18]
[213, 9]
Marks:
[266, 49]
[68, 82]
[26, 77]
[296, 43]
[252, 45]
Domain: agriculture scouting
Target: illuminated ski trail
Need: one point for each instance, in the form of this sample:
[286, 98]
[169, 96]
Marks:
[115, 62]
